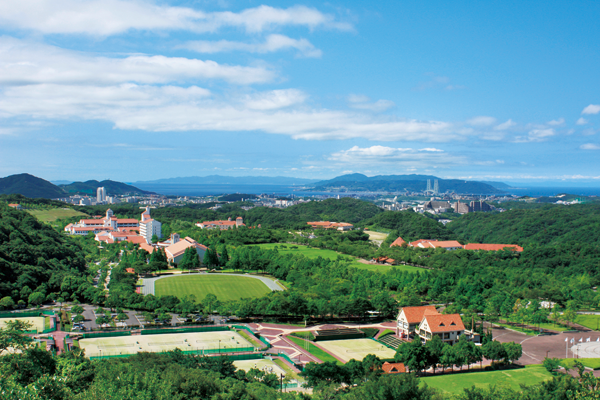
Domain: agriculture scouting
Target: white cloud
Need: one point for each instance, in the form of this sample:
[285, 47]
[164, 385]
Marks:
[536, 135]
[590, 146]
[274, 99]
[589, 132]
[482, 121]
[363, 102]
[272, 43]
[111, 17]
[557, 122]
[591, 109]
[433, 83]
[23, 63]
[505, 125]
[581, 121]
[399, 156]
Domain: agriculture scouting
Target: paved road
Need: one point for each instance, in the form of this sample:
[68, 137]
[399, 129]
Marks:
[148, 283]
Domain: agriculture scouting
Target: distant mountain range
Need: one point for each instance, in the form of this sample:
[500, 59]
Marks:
[230, 180]
[399, 183]
[30, 186]
[34, 187]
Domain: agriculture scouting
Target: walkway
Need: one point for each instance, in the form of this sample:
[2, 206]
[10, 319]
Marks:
[148, 283]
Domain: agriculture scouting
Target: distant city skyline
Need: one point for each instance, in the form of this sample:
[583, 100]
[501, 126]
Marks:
[142, 90]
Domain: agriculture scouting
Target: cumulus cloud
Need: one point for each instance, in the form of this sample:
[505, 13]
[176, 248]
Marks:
[536, 135]
[557, 122]
[399, 156]
[23, 63]
[272, 43]
[581, 121]
[591, 109]
[505, 125]
[363, 102]
[111, 17]
[274, 99]
[590, 146]
[482, 121]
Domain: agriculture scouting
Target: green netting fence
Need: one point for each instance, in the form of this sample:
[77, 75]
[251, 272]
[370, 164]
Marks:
[263, 340]
[106, 334]
[184, 330]
[288, 359]
[21, 314]
[385, 344]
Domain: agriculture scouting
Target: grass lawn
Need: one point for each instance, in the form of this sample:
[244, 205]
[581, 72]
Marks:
[255, 342]
[225, 287]
[288, 371]
[54, 214]
[588, 320]
[314, 350]
[512, 378]
[333, 255]
[593, 363]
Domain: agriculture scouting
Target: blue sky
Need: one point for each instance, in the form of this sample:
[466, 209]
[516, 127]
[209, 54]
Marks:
[139, 90]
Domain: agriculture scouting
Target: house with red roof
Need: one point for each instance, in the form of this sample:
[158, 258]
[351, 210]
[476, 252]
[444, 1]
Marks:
[398, 242]
[447, 327]
[409, 319]
[176, 250]
[436, 244]
[393, 368]
[493, 247]
[340, 226]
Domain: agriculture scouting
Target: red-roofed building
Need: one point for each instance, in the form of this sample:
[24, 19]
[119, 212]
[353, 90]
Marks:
[108, 223]
[176, 250]
[340, 226]
[493, 247]
[130, 270]
[436, 244]
[409, 319]
[393, 368]
[448, 327]
[222, 225]
[16, 206]
[398, 242]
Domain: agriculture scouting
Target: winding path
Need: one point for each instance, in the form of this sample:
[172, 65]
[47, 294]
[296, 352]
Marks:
[148, 283]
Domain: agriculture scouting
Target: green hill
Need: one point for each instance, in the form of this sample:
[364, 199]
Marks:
[409, 226]
[546, 225]
[30, 186]
[112, 188]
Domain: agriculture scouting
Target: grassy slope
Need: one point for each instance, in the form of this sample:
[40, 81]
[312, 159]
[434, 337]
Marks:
[593, 363]
[314, 350]
[54, 214]
[224, 287]
[455, 383]
[332, 255]
[588, 320]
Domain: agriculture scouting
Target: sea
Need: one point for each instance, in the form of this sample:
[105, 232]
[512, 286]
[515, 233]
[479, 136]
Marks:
[286, 190]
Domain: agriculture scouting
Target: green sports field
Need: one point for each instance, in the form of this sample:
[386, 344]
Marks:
[356, 348]
[36, 322]
[54, 214]
[265, 365]
[225, 287]
[512, 378]
[333, 255]
[196, 341]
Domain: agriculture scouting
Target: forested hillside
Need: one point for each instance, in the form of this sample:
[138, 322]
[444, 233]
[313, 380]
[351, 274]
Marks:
[294, 217]
[30, 186]
[33, 256]
[547, 225]
[409, 226]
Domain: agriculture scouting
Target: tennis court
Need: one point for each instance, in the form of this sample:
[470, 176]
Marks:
[265, 365]
[356, 348]
[224, 341]
[37, 323]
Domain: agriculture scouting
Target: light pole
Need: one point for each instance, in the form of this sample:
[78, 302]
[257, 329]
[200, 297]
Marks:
[219, 346]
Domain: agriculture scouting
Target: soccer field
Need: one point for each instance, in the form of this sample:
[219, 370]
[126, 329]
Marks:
[225, 287]
[36, 322]
[265, 365]
[356, 348]
[196, 341]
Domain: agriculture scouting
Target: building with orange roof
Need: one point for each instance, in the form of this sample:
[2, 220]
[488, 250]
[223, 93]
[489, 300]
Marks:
[493, 247]
[109, 222]
[398, 242]
[222, 225]
[409, 319]
[178, 247]
[340, 226]
[393, 368]
[16, 206]
[447, 327]
[436, 244]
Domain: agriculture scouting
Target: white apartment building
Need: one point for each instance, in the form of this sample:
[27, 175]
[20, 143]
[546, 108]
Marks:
[149, 226]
